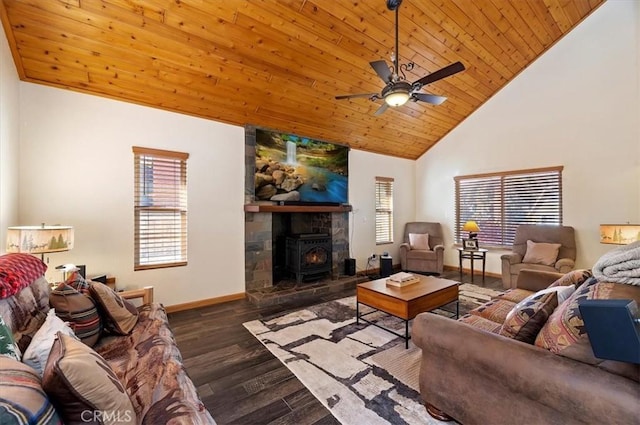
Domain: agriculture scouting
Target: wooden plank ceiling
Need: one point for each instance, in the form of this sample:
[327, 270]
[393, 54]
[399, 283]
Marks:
[279, 64]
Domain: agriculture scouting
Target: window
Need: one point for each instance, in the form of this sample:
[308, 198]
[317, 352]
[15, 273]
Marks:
[384, 210]
[499, 202]
[160, 206]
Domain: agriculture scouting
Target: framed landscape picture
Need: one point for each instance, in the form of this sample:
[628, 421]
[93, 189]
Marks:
[470, 244]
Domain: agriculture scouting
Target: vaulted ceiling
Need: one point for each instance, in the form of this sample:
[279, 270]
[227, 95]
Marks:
[279, 64]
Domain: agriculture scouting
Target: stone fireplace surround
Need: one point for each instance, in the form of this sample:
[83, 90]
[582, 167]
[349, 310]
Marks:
[266, 225]
[264, 241]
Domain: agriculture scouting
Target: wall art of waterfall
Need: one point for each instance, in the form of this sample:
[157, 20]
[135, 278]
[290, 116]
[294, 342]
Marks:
[291, 168]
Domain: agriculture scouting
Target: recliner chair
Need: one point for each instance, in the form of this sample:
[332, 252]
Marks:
[423, 260]
[564, 263]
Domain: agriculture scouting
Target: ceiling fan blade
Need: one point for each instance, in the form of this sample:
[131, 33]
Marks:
[352, 96]
[382, 69]
[381, 109]
[447, 71]
[429, 98]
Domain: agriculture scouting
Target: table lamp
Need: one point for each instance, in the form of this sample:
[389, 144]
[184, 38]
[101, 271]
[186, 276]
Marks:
[471, 227]
[619, 234]
[39, 239]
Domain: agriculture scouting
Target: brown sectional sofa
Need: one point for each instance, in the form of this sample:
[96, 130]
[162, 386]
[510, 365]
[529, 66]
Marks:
[146, 361]
[474, 375]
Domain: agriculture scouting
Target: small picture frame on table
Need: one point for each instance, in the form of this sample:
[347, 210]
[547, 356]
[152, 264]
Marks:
[470, 244]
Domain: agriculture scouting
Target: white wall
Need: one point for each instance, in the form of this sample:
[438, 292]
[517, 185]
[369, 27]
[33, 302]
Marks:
[9, 141]
[577, 106]
[77, 169]
[363, 169]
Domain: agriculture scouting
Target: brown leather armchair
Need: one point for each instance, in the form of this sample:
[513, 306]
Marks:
[565, 262]
[423, 260]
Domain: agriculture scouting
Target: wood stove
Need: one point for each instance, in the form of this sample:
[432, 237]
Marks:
[308, 255]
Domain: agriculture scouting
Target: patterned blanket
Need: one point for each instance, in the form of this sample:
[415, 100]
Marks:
[621, 265]
[17, 271]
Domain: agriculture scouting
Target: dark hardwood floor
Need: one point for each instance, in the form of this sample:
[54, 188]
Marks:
[238, 379]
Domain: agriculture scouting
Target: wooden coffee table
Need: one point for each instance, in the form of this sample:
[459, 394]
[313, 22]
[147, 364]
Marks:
[406, 302]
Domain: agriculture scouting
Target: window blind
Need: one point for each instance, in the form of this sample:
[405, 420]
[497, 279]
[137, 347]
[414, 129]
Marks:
[384, 210]
[160, 208]
[500, 202]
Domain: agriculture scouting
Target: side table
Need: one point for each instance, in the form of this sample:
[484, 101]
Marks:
[473, 254]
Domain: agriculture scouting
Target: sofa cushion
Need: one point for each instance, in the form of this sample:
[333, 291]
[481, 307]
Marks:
[494, 310]
[120, 316]
[81, 384]
[38, 350]
[149, 364]
[515, 295]
[79, 310]
[22, 400]
[419, 240]
[526, 319]
[574, 277]
[17, 271]
[565, 333]
[418, 254]
[8, 346]
[481, 323]
[541, 253]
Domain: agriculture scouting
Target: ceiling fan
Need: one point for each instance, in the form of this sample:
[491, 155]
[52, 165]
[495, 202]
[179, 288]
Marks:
[397, 90]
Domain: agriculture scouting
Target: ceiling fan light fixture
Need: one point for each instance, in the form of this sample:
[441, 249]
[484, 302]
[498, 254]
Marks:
[398, 98]
[397, 94]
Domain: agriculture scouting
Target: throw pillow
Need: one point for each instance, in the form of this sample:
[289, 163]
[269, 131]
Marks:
[22, 400]
[77, 282]
[565, 333]
[574, 277]
[17, 271]
[529, 316]
[79, 310]
[541, 253]
[419, 240]
[37, 352]
[8, 347]
[82, 385]
[563, 292]
[119, 314]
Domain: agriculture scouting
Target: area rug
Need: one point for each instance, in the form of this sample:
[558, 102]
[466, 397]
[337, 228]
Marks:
[361, 373]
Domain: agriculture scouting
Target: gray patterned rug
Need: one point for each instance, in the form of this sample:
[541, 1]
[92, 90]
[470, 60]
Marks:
[361, 373]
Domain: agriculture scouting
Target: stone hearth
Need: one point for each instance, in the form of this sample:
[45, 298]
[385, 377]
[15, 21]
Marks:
[288, 290]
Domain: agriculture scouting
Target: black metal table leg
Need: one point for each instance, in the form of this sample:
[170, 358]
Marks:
[484, 260]
[471, 258]
[406, 334]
